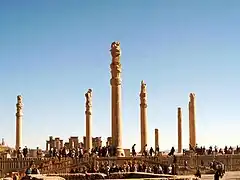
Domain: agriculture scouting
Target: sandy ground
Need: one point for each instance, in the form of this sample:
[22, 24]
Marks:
[233, 175]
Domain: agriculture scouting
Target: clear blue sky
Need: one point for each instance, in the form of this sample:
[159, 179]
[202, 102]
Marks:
[51, 52]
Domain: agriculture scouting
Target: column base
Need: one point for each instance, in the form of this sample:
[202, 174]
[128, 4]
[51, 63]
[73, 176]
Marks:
[120, 152]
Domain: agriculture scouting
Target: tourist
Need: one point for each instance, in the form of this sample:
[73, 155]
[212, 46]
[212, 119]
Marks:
[15, 176]
[145, 151]
[151, 151]
[198, 173]
[133, 150]
[170, 169]
[157, 150]
[35, 170]
[25, 152]
[19, 153]
[217, 175]
[160, 170]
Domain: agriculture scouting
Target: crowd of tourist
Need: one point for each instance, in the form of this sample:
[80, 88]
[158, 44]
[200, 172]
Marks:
[111, 168]
[108, 168]
[109, 151]
[210, 151]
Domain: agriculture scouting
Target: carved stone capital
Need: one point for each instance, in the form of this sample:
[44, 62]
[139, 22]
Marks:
[143, 105]
[115, 49]
[88, 112]
[143, 95]
[88, 96]
[19, 114]
[116, 68]
[192, 96]
[115, 81]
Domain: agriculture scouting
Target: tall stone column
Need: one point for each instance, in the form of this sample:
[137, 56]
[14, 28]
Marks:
[143, 115]
[179, 116]
[57, 141]
[19, 117]
[47, 145]
[88, 114]
[192, 118]
[190, 124]
[116, 69]
[61, 144]
[156, 138]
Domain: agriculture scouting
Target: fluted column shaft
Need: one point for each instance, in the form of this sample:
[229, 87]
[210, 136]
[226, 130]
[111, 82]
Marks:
[19, 117]
[192, 120]
[143, 115]
[179, 116]
[115, 82]
[47, 144]
[88, 114]
[156, 138]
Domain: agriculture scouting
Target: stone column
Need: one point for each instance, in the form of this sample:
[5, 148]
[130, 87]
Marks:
[19, 117]
[156, 138]
[47, 143]
[179, 116]
[57, 141]
[192, 120]
[115, 82]
[143, 115]
[61, 144]
[88, 114]
[190, 124]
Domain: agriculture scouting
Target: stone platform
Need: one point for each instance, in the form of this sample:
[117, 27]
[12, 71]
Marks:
[231, 175]
[124, 175]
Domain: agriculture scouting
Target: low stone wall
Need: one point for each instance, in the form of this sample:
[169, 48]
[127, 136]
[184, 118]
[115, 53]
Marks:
[232, 162]
[126, 175]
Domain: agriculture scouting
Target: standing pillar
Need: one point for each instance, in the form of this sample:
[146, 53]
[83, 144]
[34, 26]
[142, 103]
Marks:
[192, 120]
[61, 144]
[115, 82]
[179, 116]
[190, 124]
[57, 141]
[143, 115]
[88, 114]
[156, 138]
[19, 117]
[193, 112]
[47, 143]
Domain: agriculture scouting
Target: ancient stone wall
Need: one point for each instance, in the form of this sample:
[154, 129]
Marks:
[232, 162]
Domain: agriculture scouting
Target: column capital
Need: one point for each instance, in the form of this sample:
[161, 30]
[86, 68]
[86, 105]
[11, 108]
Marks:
[88, 97]
[192, 96]
[115, 81]
[19, 114]
[143, 105]
[115, 49]
[88, 112]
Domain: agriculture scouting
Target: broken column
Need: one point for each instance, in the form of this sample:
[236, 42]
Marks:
[88, 114]
[179, 117]
[19, 117]
[57, 142]
[61, 144]
[156, 138]
[116, 69]
[192, 121]
[47, 145]
[143, 115]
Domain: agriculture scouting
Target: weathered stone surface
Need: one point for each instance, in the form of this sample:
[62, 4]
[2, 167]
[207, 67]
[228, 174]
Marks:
[179, 117]
[143, 115]
[88, 114]
[115, 82]
[19, 116]
[192, 120]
